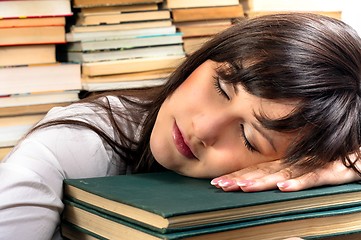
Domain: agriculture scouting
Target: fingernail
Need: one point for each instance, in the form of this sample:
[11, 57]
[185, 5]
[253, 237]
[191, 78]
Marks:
[245, 183]
[226, 182]
[215, 181]
[283, 185]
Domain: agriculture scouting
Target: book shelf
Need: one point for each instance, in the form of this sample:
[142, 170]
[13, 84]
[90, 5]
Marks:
[109, 45]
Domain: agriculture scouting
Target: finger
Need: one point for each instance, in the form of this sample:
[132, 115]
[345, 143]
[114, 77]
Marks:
[335, 173]
[305, 181]
[267, 182]
[253, 172]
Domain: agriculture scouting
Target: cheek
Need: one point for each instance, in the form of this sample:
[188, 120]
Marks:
[228, 161]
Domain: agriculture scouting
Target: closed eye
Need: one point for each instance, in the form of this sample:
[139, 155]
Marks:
[246, 143]
[218, 87]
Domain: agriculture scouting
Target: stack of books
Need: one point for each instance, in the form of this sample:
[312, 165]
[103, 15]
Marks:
[331, 8]
[31, 79]
[198, 20]
[166, 205]
[123, 44]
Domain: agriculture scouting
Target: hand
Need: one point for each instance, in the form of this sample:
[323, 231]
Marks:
[272, 175]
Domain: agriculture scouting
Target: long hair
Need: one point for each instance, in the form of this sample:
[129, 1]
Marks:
[311, 59]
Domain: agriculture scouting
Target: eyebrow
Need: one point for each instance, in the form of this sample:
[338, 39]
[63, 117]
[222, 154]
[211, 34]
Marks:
[265, 135]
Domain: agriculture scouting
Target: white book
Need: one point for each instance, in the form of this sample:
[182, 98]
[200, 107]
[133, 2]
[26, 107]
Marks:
[34, 8]
[121, 34]
[40, 78]
[16, 100]
[143, 52]
[93, 87]
[155, 40]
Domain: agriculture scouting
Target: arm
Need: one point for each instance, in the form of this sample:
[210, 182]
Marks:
[274, 174]
[32, 177]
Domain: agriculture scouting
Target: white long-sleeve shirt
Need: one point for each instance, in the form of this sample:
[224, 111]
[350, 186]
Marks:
[31, 176]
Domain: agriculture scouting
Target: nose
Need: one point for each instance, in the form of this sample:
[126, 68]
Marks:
[208, 128]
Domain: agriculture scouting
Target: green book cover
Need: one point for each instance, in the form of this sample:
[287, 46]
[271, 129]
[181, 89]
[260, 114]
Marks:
[168, 202]
[80, 221]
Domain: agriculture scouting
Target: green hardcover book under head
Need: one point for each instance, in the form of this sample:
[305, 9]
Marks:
[168, 202]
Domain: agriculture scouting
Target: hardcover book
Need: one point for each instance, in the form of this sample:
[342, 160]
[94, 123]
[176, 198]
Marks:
[114, 18]
[118, 34]
[34, 8]
[167, 202]
[99, 3]
[173, 4]
[136, 42]
[130, 53]
[131, 65]
[84, 223]
[40, 78]
[207, 13]
[32, 35]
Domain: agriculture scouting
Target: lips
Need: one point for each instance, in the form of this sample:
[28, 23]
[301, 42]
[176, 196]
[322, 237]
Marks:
[180, 144]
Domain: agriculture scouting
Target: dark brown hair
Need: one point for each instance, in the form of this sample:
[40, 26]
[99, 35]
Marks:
[312, 59]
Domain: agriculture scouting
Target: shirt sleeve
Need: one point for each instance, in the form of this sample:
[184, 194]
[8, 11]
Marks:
[32, 176]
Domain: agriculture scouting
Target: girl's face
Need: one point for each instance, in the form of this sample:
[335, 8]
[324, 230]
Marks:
[208, 128]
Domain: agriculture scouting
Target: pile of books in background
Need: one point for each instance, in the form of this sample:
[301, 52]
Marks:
[123, 44]
[31, 79]
[198, 20]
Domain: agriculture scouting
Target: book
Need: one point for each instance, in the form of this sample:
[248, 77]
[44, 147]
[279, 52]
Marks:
[129, 53]
[127, 77]
[83, 223]
[156, 40]
[193, 43]
[32, 35]
[127, 80]
[18, 100]
[131, 65]
[176, 203]
[121, 26]
[331, 225]
[118, 9]
[114, 18]
[12, 128]
[96, 3]
[172, 4]
[34, 8]
[104, 86]
[118, 34]
[29, 109]
[40, 78]
[32, 22]
[203, 28]
[27, 54]
[35, 103]
[207, 13]
[132, 80]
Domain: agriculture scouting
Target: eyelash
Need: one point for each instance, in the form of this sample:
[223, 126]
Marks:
[221, 92]
[218, 88]
[247, 144]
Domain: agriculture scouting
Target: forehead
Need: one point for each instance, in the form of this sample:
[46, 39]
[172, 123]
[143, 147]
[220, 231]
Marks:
[270, 108]
[276, 109]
